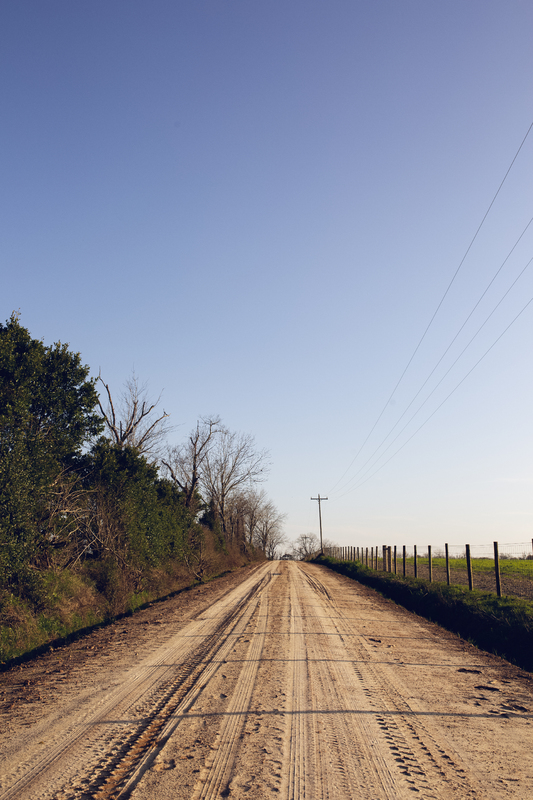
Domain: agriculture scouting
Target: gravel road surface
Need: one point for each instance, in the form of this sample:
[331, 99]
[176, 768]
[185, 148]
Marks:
[284, 679]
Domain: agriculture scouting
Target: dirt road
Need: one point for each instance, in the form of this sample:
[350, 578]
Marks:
[293, 682]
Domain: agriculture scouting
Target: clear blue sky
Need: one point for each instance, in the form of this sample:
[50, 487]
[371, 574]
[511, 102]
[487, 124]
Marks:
[259, 206]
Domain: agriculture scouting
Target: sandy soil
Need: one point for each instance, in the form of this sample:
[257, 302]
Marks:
[285, 679]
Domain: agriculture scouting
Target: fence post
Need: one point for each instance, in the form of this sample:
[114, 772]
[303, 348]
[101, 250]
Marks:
[395, 562]
[469, 568]
[430, 564]
[497, 570]
[367, 556]
[447, 563]
[389, 556]
[404, 559]
[384, 558]
[416, 563]
[372, 557]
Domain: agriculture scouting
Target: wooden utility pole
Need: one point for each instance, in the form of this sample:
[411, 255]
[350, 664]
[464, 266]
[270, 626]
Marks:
[320, 520]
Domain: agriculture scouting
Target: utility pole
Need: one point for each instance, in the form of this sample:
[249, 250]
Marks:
[320, 520]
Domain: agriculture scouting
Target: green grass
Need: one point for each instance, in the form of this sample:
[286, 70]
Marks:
[518, 566]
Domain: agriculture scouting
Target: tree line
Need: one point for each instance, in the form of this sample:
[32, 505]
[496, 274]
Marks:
[90, 482]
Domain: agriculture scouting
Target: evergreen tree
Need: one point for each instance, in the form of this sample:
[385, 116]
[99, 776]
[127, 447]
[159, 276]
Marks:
[47, 413]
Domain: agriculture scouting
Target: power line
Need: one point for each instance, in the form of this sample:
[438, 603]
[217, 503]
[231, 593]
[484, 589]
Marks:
[438, 307]
[449, 369]
[362, 482]
[446, 352]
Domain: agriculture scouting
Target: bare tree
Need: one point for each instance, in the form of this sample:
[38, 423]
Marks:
[305, 546]
[233, 463]
[65, 521]
[135, 423]
[269, 529]
[236, 514]
[251, 503]
[185, 462]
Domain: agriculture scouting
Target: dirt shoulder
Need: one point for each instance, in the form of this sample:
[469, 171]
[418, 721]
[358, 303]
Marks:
[29, 690]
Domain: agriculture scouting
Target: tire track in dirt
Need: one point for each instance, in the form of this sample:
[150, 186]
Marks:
[405, 747]
[96, 738]
[297, 778]
[346, 764]
[291, 685]
[216, 776]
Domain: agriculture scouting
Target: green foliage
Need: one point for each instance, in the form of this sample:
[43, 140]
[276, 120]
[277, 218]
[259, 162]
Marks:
[45, 394]
[522, 567]
[47, 413]
[81, 516]
[502, 625]
[142, 519]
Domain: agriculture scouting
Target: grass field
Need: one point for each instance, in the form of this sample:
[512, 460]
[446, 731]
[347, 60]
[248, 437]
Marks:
[521, 567]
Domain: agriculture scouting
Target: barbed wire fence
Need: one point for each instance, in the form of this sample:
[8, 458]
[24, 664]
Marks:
[505, 569]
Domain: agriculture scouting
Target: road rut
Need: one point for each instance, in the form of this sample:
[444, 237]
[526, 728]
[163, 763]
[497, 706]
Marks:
[296, 682]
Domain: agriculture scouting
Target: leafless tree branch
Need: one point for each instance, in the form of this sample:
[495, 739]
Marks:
[134, 425]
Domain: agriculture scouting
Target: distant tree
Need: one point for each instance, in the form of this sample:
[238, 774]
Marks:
[253, 505]
[232, 464]
[269, 535]
[305, 546]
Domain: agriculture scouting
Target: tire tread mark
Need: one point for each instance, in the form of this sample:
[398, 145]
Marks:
[364, 773]
[30, 784]
[216, 776]
[412, 746]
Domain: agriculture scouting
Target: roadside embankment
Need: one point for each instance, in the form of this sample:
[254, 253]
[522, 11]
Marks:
[71, 603]
[500, 625]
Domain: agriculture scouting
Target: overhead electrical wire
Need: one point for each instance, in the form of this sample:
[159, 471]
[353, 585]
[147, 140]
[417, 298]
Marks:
[415, 351]
[350, 480]
[441, 380]
[353, 488]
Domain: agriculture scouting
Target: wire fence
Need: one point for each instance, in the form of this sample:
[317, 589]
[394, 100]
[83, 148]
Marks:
[505, 569]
